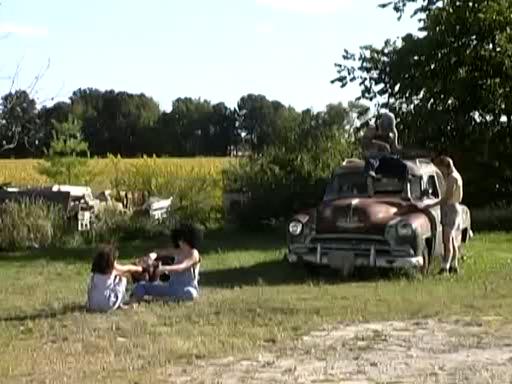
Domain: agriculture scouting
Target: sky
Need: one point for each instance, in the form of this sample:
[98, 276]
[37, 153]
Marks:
[217, 50]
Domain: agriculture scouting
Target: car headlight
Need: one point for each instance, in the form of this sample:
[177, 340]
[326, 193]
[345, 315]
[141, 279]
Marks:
[404, 230]
[295, 228]
[397, 230]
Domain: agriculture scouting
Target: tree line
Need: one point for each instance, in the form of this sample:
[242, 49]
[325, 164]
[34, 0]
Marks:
[131, 125]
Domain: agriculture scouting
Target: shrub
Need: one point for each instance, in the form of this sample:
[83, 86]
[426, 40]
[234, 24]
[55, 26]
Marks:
[67, 161]
[492, 219]
[109, 225]
[197, 191]
[30, 224]
[288, 176]
[112, 225]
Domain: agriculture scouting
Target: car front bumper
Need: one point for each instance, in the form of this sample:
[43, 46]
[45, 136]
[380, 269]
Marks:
[355, 255]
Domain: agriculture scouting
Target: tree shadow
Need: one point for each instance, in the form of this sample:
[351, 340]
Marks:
[45, 314]
[215, 241]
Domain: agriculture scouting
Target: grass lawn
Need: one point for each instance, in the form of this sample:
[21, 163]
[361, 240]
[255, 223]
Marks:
[249, 300]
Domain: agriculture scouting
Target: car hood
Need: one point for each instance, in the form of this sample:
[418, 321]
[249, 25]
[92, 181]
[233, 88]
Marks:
[360, 215]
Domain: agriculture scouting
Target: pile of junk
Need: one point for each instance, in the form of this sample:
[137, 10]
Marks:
[81, 205]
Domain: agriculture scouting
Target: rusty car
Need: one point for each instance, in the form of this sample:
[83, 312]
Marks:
[376, 220]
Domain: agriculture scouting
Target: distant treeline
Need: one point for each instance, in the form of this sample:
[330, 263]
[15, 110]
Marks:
[130, 125]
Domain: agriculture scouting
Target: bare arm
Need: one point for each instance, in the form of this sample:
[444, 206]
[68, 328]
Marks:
[185, 264]
[447, 196]
[166, 252]
[122, 269]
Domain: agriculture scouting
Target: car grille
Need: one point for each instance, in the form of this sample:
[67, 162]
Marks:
[361, 247]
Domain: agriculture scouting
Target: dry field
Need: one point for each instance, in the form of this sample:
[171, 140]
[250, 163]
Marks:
[104, 172]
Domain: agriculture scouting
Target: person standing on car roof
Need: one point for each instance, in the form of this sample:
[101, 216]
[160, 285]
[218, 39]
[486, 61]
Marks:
[451, 213]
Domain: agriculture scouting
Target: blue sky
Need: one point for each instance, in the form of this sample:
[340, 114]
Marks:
[214, 49]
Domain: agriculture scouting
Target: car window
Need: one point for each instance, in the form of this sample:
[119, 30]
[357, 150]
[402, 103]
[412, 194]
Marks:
[415, 188]
[432, 187]
[388, 185]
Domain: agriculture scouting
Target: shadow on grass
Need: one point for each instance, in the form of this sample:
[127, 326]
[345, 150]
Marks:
[217, 241]
[277, 272]
[45, 314]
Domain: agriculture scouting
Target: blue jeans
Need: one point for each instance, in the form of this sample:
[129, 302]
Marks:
[172, 291]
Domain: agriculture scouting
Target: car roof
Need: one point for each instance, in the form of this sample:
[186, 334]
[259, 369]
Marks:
[416, 167]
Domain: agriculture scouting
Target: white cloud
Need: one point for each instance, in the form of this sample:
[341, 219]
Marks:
[264, 28]
[307, 6]
[23, 30]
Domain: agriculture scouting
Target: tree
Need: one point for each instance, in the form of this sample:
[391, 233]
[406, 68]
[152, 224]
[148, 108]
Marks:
[259, 120]
[224, 133]
[450, 87]
[116, 122]
[67, 159]
[293, 168]
[196, 127]
[48, 115]
[20, 133]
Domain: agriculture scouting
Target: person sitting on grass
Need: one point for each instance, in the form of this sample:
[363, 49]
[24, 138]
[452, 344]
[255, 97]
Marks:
[107, 286]
[184, 273]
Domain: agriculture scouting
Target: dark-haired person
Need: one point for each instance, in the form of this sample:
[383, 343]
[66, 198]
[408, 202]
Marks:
[107, 285]
[184, 273]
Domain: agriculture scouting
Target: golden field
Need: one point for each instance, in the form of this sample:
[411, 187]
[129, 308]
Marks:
[123, 173]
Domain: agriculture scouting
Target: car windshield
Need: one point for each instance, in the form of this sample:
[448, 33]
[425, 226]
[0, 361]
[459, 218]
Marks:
[355, 184]
[388, 185]
[346, 185]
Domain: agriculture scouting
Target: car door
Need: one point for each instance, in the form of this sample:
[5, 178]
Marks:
[433, 184]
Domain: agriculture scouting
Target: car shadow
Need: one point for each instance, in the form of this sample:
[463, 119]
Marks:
[279, 272]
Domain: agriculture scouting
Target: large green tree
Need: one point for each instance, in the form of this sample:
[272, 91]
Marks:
[259, 120]
[449, 85]
[20, 132]
[196, 127]
[116, 122]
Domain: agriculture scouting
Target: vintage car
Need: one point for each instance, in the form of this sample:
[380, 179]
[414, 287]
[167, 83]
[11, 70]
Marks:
[380, 221]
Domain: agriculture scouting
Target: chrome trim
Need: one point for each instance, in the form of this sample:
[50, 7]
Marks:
[373, 258]
[382, 262]
[346, 236]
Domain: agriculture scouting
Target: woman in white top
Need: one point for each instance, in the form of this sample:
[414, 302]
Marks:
[107, 286]
[184, 273]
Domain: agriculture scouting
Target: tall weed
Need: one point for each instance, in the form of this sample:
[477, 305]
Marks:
[30, 224]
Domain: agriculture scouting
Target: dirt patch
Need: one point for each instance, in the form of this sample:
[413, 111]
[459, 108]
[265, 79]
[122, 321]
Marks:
[426, 351]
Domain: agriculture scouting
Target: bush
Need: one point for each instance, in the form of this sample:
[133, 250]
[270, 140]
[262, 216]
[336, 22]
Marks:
[30, 224]
[67, 161]
[197, 191]
[112, 225]
[492, 219]
[288, 176]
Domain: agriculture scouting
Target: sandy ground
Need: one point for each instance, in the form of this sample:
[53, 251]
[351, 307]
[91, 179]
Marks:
[423, 351]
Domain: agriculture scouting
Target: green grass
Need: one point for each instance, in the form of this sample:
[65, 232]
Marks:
[250, 300]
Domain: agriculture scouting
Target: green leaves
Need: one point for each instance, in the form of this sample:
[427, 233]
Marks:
[68, 157]
[288, 175]
[19, 124]
[450, 86]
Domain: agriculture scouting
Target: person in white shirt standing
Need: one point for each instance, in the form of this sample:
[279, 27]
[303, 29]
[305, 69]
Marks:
[451, 214]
